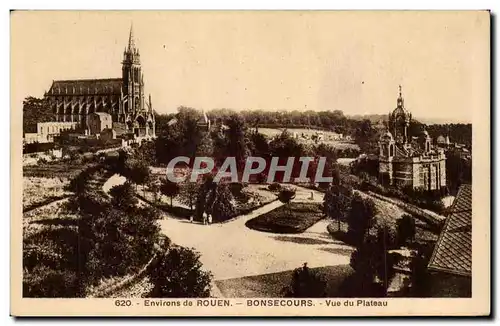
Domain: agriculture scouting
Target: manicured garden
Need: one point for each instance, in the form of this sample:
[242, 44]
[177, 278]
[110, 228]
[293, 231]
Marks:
[180, 200]
[289, 218]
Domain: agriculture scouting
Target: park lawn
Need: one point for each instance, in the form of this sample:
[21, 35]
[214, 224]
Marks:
[292, 218]
[272, 285]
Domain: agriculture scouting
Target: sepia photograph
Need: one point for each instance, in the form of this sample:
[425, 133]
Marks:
[235, 162]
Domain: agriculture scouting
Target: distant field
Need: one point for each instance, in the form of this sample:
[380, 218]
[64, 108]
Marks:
[340, 144]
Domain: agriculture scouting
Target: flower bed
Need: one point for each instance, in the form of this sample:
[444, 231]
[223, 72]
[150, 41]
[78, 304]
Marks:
[296, 218]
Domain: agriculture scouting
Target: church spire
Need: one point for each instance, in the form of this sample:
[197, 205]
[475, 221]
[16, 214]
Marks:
[131, 41]
[400, 98]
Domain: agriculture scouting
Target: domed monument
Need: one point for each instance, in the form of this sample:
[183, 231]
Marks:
[406, 161]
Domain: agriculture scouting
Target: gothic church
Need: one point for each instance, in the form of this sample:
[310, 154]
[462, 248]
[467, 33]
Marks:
[122, 98]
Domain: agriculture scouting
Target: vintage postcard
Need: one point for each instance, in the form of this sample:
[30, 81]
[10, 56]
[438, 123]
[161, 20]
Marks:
[250, 163]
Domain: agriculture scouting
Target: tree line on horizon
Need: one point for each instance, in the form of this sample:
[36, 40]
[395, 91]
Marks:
[37, 110]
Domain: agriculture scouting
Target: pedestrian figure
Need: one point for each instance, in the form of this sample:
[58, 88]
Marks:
[209, 218]
[204, 218]
[191, 218]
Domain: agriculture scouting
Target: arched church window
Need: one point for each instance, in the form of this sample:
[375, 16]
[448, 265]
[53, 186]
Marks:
[391, 150]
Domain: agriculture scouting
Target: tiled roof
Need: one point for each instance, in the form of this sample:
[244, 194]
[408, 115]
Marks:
[453, 251]
[86, 87]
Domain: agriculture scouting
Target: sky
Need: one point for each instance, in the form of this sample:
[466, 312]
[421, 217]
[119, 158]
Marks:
[310, 60]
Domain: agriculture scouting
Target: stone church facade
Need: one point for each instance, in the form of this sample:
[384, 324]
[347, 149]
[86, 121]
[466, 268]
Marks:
[122, 98]
[407, 161]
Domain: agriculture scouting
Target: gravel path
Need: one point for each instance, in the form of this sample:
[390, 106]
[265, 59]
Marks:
[231, 250]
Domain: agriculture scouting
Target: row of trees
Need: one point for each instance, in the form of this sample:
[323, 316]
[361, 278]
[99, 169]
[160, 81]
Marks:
[371, 237]
[361, 128]
[185, 137]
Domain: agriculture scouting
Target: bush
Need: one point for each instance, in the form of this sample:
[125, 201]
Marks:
[405, 229]
[274, 187]
[361, 218]
[261, 177]
[306, 284]
[286, 195]
[43, 282]
[178, 274]
[236, 188]
[221, 207]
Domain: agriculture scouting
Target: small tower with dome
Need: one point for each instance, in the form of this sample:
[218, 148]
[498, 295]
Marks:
[405, 163]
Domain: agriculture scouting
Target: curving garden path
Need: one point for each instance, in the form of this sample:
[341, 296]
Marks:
[232, 251]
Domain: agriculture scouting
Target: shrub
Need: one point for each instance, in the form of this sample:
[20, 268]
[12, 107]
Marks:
[236, 189]
[222, 207]
[123, 196]
[261, 177]
[405, 229]
[306, 284]
[286, 195]
[361, 218]
[188, 193]
[387, 236]
[169, 189]
[178, 274]
[274, 187]
[43, 282]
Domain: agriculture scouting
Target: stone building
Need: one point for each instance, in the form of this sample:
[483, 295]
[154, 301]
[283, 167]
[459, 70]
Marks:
[46, 131]
[123, 98]
[407, 161]
[98, 121]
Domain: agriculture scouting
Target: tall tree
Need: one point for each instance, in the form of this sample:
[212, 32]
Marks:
[361, 218]
[337, 202]
[179, 274]
[35, 110]
[138, 172]
[405, 229]
[189, 193]
[123, 197]
[286, 196]
[365, 136]
[220, 205]
[236, 139]
[169, 189]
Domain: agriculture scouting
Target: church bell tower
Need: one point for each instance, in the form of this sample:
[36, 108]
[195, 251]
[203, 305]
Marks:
[133, 80]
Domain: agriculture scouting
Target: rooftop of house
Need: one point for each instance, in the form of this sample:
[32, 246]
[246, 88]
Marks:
[453, 251]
